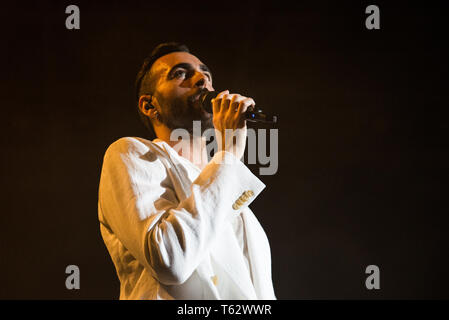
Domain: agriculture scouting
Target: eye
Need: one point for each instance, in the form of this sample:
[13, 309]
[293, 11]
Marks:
[179, 73]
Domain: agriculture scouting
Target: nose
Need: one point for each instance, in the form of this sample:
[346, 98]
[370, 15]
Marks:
[201, 82]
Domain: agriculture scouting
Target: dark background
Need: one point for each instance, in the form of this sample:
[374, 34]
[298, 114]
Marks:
[363, 152]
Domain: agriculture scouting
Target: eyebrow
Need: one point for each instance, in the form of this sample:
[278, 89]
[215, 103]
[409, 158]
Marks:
[205, 68]
[188, 66]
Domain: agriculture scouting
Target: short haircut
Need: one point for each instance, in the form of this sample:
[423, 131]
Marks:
[145, 80]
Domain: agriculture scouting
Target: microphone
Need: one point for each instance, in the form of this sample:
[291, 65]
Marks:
[253, 115]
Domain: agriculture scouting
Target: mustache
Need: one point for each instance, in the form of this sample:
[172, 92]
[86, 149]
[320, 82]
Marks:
[194, 97]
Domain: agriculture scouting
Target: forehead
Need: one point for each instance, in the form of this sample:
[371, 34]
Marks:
[169, 60]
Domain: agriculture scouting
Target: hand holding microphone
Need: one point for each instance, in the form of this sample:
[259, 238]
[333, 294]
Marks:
[229, 121]
[253, 115]
[229, 114]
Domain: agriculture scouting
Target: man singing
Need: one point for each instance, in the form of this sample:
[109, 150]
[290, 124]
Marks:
[176, 225]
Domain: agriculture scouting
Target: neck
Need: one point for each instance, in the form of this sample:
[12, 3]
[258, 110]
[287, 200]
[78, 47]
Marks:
[193, 148]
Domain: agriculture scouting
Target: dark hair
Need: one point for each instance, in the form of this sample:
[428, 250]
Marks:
[144, 80]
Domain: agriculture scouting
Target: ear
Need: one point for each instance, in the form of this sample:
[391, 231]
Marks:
[146, 106]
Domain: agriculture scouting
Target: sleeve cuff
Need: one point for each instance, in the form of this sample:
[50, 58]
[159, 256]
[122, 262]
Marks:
[246, 186]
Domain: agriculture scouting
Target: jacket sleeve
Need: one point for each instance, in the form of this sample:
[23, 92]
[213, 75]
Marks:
[168, 237]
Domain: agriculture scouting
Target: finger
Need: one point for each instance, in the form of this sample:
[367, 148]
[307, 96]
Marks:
[234, 104]
[240, 115]
[216, 102]
[225, 102]
[244, 105]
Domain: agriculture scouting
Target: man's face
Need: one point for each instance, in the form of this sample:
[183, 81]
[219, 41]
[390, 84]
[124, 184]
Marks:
[180, 79]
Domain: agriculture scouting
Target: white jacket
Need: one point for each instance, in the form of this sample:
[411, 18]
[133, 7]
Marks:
[167, 225]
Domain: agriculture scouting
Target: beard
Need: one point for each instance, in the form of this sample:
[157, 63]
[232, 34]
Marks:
[181, 112]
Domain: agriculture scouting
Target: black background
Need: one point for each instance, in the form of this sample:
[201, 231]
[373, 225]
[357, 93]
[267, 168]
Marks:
[363, 149]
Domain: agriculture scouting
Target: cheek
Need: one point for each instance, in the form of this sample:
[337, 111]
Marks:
[172, 91]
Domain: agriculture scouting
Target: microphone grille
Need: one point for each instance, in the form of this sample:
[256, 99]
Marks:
[206, 98]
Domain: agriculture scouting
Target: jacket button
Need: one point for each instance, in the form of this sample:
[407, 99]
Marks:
[249, 193]
[214, 279]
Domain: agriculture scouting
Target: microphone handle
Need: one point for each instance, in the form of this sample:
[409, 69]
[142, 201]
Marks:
[257, 115]
[253, 115]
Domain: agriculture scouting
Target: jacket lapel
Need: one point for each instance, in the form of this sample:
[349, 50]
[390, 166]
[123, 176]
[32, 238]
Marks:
[180, 181]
